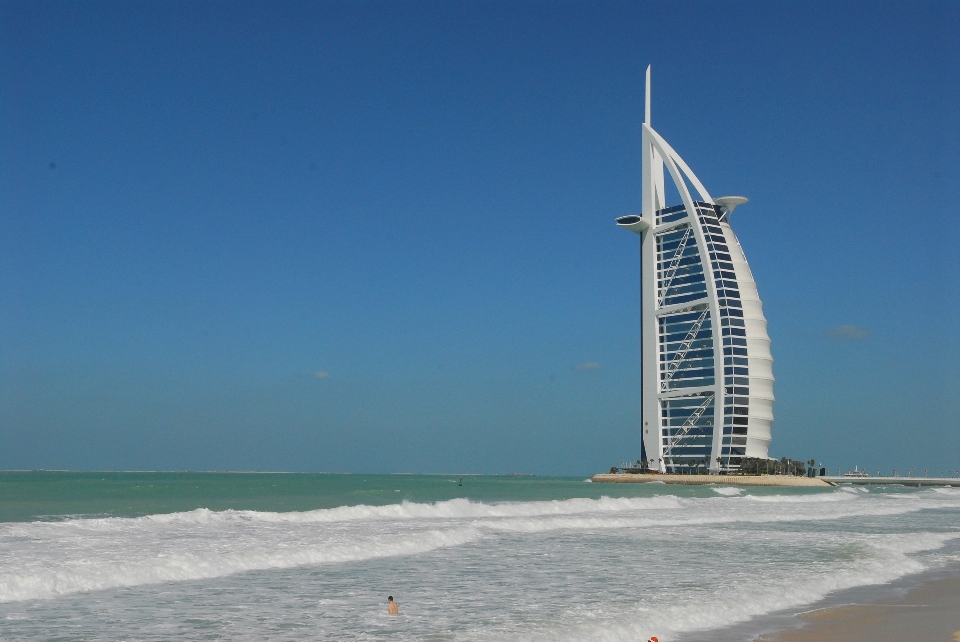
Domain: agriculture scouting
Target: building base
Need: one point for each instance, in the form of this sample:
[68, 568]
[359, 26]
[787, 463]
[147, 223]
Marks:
[725, 480]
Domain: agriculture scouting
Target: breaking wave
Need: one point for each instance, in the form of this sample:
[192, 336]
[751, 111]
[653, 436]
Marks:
[41, 560]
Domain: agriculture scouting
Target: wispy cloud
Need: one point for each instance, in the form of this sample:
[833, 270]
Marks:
[321, 375]
[589, 365]
[847, 333]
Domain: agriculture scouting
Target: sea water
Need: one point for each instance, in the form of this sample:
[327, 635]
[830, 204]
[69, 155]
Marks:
[157, 556]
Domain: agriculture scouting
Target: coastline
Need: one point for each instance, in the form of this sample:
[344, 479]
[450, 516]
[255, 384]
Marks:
[927, 611]
[699, 480]
[825, 620]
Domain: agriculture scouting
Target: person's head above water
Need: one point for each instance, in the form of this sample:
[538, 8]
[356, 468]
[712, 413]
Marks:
[389, 598]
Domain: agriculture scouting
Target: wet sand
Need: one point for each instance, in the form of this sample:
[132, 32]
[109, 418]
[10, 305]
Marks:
[927, 613]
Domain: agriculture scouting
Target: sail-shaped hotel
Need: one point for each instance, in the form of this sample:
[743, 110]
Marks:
[707, 373]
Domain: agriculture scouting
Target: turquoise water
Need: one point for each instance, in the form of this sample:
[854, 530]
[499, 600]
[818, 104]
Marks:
[239, 556]
[31, 495]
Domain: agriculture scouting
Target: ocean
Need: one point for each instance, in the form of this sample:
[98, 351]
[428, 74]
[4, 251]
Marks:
[273, 556]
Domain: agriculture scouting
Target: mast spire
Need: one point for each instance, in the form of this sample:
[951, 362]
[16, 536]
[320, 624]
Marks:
[646, 112]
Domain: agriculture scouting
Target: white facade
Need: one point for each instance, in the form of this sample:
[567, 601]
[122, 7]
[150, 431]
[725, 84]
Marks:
[707, 372]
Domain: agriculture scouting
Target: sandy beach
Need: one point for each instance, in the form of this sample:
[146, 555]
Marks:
[699, 480]
[929, 612]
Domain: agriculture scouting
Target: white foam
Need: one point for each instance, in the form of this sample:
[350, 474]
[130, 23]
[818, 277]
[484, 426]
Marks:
[951, 491]
[886, 559]
[191, 560]
[42, 560]
[450, 509]
[728, 491]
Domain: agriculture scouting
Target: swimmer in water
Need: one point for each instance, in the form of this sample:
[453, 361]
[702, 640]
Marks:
[392, 606]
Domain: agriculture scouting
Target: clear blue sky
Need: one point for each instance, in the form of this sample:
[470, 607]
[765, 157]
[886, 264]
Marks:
[378, 236]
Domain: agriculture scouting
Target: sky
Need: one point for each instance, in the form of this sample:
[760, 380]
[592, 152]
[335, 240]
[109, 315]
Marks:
[379, 236]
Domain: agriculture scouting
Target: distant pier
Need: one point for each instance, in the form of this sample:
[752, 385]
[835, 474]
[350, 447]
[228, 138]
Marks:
[887, 481]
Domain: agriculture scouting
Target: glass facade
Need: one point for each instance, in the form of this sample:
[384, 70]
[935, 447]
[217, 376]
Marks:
[686, 349]
[692, 357]
[687, 430]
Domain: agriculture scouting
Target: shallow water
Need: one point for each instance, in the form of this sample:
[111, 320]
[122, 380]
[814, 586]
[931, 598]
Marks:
[314, 556]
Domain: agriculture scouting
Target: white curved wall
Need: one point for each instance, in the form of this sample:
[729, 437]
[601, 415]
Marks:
[760, 361]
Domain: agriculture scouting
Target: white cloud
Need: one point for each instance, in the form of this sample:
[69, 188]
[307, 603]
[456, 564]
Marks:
[321, 375]
[848, 333]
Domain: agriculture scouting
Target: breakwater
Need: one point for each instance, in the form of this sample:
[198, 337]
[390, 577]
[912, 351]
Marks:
[888, 481]
[698, 480]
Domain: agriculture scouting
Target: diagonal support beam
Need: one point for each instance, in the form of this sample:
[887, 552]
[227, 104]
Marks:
[683, 349]
[674, 440]
[671, 270]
